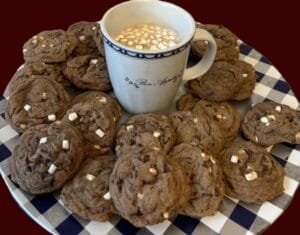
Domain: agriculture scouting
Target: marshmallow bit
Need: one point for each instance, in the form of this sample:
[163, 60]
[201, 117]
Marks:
[220, 116]
[27, 107]
[264, 120]
[278, 108]
[34, 41]
[23, 126]
[96, 146]
[206, 42]
[43, 140]
[52, 45]
[103, 99]
[107, 196]
[52, 117]
[72, 116]
[94, 61]
[94, 28]
[195, 120]
[82, 37]
[140, 196]
[256, 139]
[99, 132]
[245, 75]
[153, 171]
[44, 96]
[234, 159]
[90, 177]
[297, 136]
[251, 176]
[65, 144]
[272, 117]
[25, 50]
[52, 169]
[129, 127]
[212, 160]
[156, 148]
[203, 155]
[166, 215]
[43, 45]
[156, 134]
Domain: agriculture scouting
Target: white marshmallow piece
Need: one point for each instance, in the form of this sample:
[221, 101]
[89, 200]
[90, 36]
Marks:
[90, 177]
[245, 75]
[72, 116]
[94, 61]
[156, 134]
[264, 120]
[153, 171]
[103, 99]
[52, 169]
[65, 144]
[52, 117]
[166, 215]
[27, 107]
[107, 196]
[99, 132]
[234, 159]
[251, 176]
[43, 140]
[278, 108]
[129, 127]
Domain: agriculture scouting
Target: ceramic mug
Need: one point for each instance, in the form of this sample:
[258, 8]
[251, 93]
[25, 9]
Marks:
[147, 81]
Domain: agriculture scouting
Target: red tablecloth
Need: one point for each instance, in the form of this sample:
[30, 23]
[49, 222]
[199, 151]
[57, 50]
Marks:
[270, 27]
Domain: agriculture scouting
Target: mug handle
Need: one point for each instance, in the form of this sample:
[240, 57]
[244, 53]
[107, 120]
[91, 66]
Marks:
[206, 61]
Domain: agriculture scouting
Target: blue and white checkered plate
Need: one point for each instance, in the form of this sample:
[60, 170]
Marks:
[233, 217]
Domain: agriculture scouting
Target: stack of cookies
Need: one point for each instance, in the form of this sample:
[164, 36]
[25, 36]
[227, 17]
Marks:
[151, 167]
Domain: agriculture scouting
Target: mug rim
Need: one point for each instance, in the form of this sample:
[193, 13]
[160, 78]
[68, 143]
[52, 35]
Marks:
[178, 46]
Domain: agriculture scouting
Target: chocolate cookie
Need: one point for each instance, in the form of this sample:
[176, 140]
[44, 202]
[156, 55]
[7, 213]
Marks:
[220, 83]
[226, 116]
[37, 101]
[51, 46]
[46, 156]
[96, 125]
[248, 82]
[88, 72]
[87, 34]
[146, 130]
[205, 177]
[251, 174]
[197, 128]
[51, 71]
[186, 102]
[87, 194]
[101, 99]
[147, 188]
[269, 123]
[227, 47]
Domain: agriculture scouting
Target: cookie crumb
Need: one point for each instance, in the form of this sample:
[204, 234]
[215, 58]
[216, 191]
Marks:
[272, 117]
[117, 147]
[298, 136]
[234, 159]
[156, 148]
[107, 196]
[212, 160]
[241, 152]
[52, 169]
[90, 177]
[99, 132]
[27, 107]
[34, 41]
[65, 144]
[43, 45]
[156, 134]
[52, 117]
[256, 139]
[43, 140]
[72, 116]
[251, 176]
[153, 171]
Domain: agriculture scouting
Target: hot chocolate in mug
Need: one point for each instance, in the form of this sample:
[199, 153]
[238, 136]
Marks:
[143, 80]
